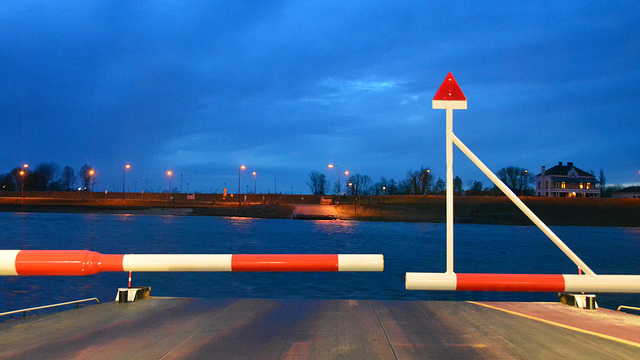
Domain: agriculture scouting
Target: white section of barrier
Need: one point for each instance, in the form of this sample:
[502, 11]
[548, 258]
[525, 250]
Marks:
[430, 281]
[186, 262]
[8, 262]
[602, 283]
[360, 262]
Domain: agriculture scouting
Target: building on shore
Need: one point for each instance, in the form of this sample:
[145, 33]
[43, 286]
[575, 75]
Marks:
[566, 181]
[631, 192]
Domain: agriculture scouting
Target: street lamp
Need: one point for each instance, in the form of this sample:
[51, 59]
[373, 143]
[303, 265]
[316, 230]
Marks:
[169, 173]
[242, 167]
[331, 166]
[23, 173]
[355, 201]
[22, 183]
[92, 174]
[255, 182]
[124, 170]
[355, 188]
[346, 177]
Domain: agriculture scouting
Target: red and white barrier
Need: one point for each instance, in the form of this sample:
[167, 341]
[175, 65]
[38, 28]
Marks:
[85, 262]
[524, 282]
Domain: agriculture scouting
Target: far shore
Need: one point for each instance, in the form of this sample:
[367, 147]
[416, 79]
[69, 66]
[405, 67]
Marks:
[432, 209]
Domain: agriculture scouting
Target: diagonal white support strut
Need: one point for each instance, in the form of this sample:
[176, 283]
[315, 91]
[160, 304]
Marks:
[516, 200]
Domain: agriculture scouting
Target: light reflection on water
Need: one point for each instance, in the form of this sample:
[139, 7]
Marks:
[406, 247]
[244, 223]
[330, 227]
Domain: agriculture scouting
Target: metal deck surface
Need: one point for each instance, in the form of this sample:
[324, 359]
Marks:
[186, 328]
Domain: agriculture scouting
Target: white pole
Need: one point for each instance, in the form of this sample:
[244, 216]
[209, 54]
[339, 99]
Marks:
[449, 155]
[505, 189]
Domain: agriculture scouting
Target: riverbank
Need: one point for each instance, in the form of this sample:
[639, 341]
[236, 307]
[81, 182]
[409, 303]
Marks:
[467, 209]
[500, 210]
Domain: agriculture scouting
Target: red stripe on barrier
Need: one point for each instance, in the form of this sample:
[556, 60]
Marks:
[65, 262]
[284, 262]
[510, 282]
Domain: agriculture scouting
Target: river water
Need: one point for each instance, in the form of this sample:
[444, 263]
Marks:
[407, 247]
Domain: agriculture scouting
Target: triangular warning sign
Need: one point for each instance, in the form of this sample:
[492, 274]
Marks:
[449, 95]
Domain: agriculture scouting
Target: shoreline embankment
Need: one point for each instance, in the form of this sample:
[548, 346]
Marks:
[432, 208]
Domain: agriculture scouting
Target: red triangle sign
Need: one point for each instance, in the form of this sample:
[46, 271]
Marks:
[449, 90]
[449, 95]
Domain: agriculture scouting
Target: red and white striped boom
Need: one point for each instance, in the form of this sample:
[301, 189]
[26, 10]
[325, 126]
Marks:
[85, 262]
[524, 282]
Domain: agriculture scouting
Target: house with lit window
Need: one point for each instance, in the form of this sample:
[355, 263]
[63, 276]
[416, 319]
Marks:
[566, 181]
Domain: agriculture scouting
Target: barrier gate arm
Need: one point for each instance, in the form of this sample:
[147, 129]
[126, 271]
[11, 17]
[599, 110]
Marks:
[523, 282]
[85, 262]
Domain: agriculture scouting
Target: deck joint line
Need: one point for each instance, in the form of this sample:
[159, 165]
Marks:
[375, 311]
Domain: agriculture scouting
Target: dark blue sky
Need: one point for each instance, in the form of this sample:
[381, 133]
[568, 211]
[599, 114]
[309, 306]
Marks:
[289, 87]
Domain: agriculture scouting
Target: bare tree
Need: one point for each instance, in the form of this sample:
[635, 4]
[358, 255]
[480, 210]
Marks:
[22, 178]
[603, 180]
[476, 186]
[404, 187]
[441, 186]
[419, 181]
[457, 185]
[336, 188]
[360, 184]
[68, 178]
[48, 172]
[8, 183]
[86, 177]
[317, 183]
[517, 179]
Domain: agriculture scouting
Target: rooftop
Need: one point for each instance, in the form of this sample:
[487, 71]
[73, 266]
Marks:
[563, 170]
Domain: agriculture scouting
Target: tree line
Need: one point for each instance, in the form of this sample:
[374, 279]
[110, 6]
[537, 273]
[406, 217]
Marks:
[46, 177]
[421, 182]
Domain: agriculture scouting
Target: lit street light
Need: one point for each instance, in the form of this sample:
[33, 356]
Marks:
[92, 174]
[255, 182]
[124, 170]
[22, 183]
[355, 188]
[23, 173]
[346, 178]
[355, 201]
[169, 173]
[242, 167]
[338, 166]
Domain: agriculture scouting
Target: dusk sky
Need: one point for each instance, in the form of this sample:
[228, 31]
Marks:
[289, 87]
